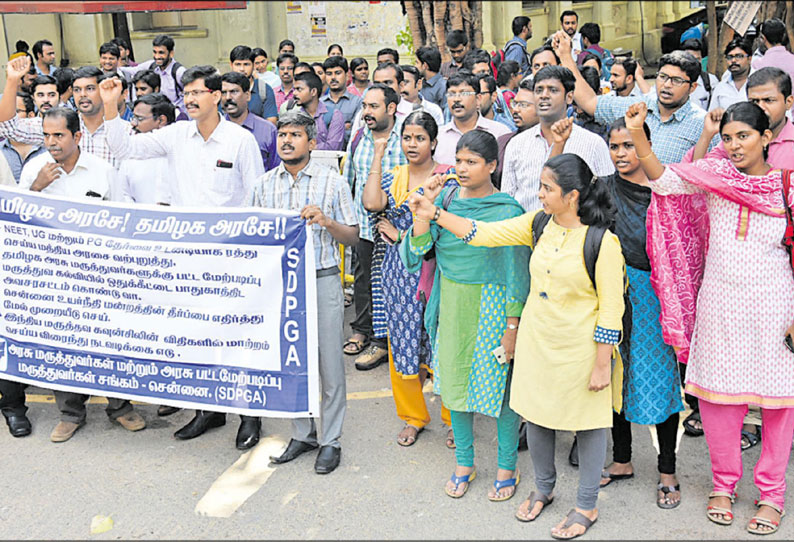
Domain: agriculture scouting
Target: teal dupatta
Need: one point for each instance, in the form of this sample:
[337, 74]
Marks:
[466, 264]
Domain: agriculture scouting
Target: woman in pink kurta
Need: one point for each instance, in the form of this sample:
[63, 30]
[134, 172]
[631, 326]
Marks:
[745, 306]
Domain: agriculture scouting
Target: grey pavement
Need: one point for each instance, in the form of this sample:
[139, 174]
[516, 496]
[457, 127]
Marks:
[150, 484]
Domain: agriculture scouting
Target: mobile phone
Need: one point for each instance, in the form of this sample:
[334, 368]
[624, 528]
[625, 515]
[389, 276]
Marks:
[789, 344]
[500, 354]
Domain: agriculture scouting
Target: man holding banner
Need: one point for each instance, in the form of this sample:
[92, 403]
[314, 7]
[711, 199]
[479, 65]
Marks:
[324, 200]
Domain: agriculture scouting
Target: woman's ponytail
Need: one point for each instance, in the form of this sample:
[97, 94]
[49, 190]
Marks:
[595, 203]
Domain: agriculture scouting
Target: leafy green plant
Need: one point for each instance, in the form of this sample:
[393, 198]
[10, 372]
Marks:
[406, 39]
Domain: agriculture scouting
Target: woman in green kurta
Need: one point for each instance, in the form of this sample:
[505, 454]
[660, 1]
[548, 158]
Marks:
[474, 307]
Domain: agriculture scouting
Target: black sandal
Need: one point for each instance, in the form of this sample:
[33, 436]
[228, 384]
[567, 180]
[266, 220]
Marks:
[666, 490]
[689, 424]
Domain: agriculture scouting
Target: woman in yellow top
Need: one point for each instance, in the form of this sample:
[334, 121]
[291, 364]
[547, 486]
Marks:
[568, 329]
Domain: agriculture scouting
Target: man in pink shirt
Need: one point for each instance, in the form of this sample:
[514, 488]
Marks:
[770, 89]
[773, 33]
[286, 71]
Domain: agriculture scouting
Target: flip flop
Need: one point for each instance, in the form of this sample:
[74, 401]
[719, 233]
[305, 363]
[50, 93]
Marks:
[752, 439]
[666, 490]
[689, 424]
[759, 521]
[614, 477]
[457, 480]
[575, 518]
[534, 498]
[501, 484]
[411, 439]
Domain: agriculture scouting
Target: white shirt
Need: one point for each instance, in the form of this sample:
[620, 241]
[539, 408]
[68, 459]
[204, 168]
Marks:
[576, 45]
[90, 174]
[270, 79]
[218, 172]
[450, 134]
[432, 109]
[143, 181]
[528, 151]
[726, 94]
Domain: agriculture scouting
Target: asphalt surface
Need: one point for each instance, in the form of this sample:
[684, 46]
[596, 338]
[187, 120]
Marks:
[155, 487]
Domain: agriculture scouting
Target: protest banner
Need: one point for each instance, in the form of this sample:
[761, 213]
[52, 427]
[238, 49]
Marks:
[209, 309]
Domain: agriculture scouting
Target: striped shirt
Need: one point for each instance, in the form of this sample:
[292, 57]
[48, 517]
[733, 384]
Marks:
[315, 185]
[528, 151]
[30, 131]
[671, 139]
[357, 169]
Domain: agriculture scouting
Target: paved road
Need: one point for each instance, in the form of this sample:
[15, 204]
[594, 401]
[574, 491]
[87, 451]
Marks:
[154, 487]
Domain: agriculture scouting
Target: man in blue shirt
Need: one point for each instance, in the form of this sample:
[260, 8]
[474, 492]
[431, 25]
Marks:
[338, 97]
[516, 48]
[235, 92]
[262, 100]
[434, 87]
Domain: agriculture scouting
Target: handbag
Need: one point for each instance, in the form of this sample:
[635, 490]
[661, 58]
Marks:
[788, 237]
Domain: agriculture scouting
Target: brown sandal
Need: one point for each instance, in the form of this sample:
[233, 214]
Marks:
[357, 344]
[714, 512]
[450, 439]
[772, 525]
[410, 439]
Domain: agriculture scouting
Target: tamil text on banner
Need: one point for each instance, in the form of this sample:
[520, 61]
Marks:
[200, 309]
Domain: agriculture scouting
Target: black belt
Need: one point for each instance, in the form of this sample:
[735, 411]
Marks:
[327, 271]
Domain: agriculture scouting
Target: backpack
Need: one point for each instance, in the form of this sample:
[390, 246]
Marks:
[502, 111]
[177, 83]
[498, 56]
[607, 61]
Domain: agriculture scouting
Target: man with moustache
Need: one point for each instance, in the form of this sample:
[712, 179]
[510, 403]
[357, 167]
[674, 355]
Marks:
[234, 93]
[516, 48]
[323, 200]
[164, 65]
[569, 21]
[379, 107]
[44, 90]
[109, 57]
[410, 92]
[85, 90]
[214, 163]
[733, 87]
[262, 100]
[338, 97]
[525, 116]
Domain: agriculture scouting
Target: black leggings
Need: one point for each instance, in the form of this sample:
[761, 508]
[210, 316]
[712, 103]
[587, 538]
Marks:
[666, 432]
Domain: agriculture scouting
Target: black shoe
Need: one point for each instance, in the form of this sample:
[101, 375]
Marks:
[573, 456]
[200, 423]
[165, 410]
[327, 460]
[522, 437]
[248, 434]
[19, 426]
[294, 449]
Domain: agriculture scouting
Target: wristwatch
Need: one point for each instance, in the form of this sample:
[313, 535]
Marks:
[512, 326]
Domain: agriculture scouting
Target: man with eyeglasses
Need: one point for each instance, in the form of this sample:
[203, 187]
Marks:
[675, 123]
[464, 101]
[525, 116]
[733, 87]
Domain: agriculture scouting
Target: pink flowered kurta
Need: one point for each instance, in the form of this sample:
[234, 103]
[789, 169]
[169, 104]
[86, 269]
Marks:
[746, 301]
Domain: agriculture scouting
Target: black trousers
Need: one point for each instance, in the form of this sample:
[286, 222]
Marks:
[362, 291]
[12, 402]
[666, 433]
[691, 400]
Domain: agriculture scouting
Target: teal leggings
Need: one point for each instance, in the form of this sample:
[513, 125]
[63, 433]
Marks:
[507, 435]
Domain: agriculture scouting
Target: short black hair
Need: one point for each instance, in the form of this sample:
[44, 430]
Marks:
[236, 79]
[692, 44]
[620, 124]
[568, 13]
[358, 61]
[66, 113]
[430, 56]
[64, 77]
[407, 68]
[464, 77]
[560, 73]
[160, 105]
[163, 40]
[124, 84]
[150, 77]
[519, 23]
[475, 56]
[489, 80]
[240, 52]
[543, 49]
[258, 51]
[774, 30]
[591, 31]
[42, 80]
[38, 48]
[771, 74]
[456, 38]
[283, 57]
[211, 77]
[286, 43]
[389, 51]
[683, 60]
[742, 43]
[398, 72]
[87, 72]
[27, 99]
[335, 62]
[317, 65]
[331, 48]
[628, 63]
[389, 95]
[110, 48]
[527, 83]
[121, 42]
[312, 81]
[507, 70]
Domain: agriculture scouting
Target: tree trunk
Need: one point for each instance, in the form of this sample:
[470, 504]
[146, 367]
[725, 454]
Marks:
[476, 6]
[427, 19]
[414, 24]
[713, 37]
[439, 27]
[455, 15]
[467, 19]
[726, 35]
[790, 23]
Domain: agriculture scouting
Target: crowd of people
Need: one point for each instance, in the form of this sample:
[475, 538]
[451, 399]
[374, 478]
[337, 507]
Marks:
[556, 242]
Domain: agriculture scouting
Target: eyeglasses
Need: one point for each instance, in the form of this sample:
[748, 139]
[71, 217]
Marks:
[196, 93]
[454, 95]
[521, 105]
[735, 57]
[676, 81]
[137, 119]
